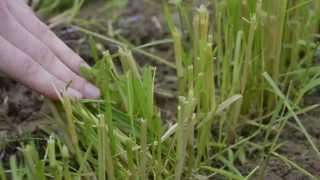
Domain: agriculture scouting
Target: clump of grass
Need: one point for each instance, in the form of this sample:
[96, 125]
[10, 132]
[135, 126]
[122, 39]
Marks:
[228, 59]
[232, 75]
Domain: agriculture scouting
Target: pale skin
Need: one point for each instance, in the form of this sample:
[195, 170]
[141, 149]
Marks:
[33, 55]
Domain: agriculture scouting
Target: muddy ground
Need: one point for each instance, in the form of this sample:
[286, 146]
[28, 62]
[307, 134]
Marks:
[21, 110]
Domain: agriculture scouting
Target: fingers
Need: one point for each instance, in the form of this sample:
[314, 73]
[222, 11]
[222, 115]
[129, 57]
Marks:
[22, 68]
[27, 18]
[38, 51]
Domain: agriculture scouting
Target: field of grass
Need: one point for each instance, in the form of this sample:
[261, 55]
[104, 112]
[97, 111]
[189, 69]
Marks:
[244, 68]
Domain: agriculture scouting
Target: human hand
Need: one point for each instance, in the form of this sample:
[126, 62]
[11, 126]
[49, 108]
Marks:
[32, 54]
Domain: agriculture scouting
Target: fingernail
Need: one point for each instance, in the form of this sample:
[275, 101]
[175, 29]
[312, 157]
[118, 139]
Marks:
[74, 94]
[91, 91]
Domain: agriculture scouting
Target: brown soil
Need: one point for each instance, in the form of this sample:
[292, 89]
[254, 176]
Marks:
[296, 148]
[21, 110]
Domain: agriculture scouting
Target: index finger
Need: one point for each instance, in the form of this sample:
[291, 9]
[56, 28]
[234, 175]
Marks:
[25, 16]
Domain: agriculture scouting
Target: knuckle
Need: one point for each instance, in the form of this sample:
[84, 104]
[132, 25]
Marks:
[30, 68]
[46, 57]
[45, 32]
